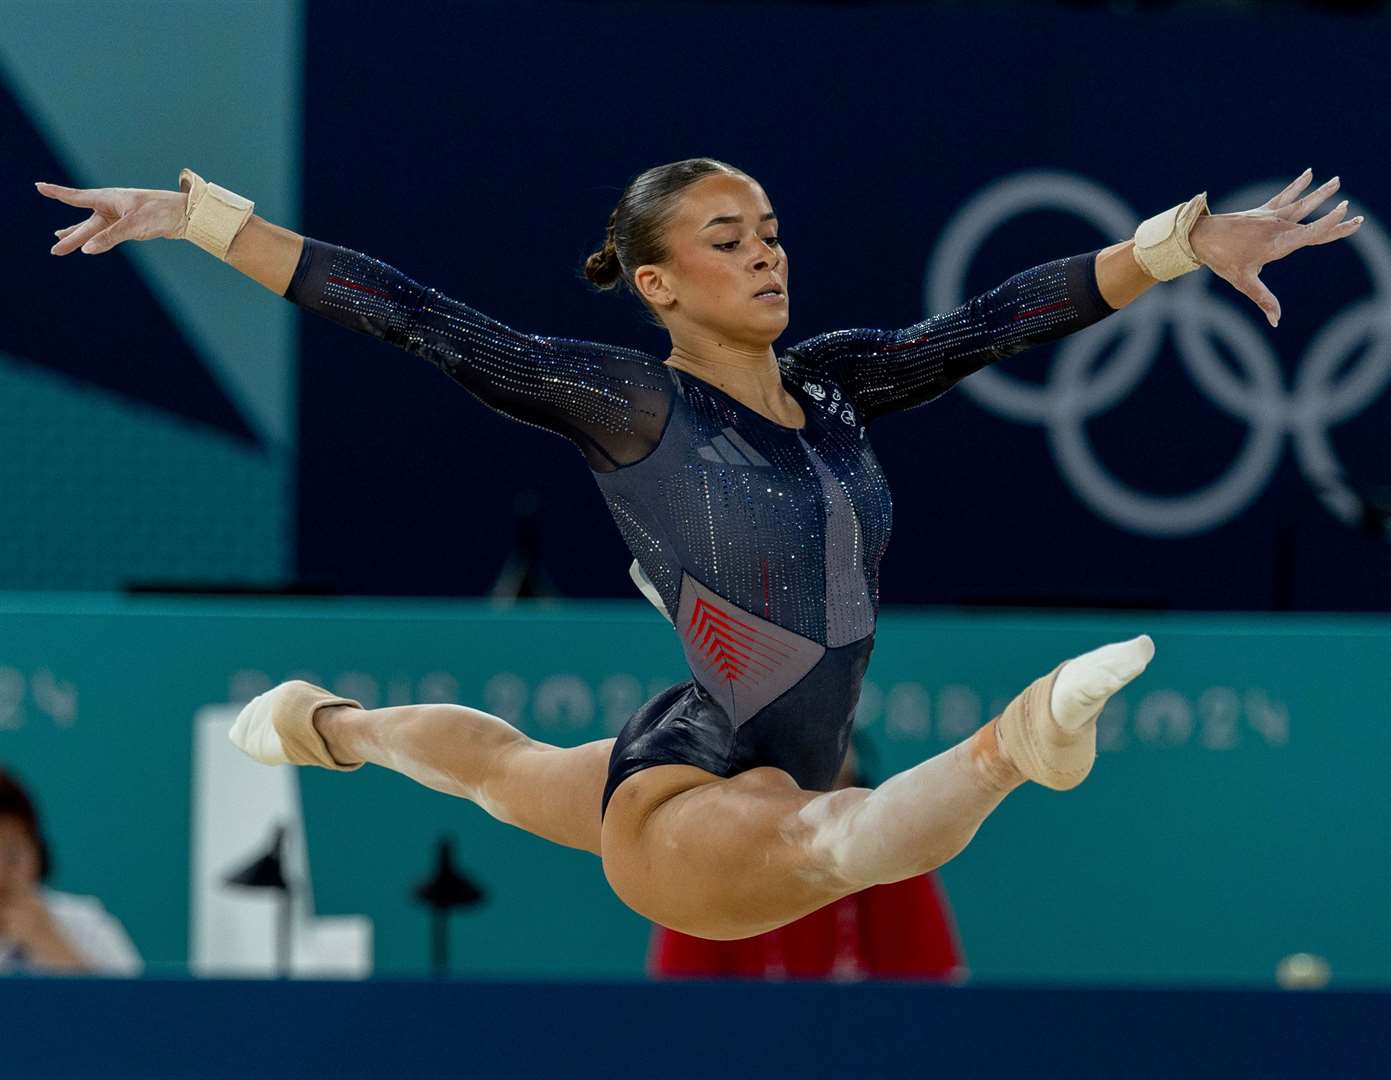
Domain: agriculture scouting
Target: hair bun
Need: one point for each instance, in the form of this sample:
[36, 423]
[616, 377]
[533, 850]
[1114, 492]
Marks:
[638, 225]
[602, 267]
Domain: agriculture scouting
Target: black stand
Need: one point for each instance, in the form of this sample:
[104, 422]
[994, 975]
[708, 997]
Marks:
[267, 872]
[442, 892]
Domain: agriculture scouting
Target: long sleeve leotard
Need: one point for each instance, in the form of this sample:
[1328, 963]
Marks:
[760, 542]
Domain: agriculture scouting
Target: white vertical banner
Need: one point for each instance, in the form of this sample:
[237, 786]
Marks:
[238, 805]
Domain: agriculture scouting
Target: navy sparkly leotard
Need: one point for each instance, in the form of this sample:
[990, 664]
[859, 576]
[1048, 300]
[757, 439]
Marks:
[760, 542]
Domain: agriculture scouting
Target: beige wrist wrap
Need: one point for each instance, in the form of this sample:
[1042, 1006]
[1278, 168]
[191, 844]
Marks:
[213, 215]
[1161, 242]
[294, 723]
[1041, 749]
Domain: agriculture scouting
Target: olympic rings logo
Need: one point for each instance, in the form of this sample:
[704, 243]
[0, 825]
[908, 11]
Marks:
[1077, 389]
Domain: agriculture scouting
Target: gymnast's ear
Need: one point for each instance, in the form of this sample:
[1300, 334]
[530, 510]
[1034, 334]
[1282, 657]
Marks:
[651, 284]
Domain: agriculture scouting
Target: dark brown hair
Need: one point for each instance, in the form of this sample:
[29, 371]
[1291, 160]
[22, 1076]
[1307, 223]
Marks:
[636, 233]
[15, 803]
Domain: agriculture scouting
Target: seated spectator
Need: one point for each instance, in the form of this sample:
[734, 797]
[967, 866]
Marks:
[42, 931]
[898, 931]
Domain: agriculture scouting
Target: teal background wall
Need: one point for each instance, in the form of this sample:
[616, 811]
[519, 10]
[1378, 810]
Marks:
[1240, 810]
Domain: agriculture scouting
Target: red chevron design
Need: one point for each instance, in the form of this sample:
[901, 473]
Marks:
[732, 647]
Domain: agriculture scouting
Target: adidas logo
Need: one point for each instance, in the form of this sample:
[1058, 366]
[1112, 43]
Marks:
[731, 448]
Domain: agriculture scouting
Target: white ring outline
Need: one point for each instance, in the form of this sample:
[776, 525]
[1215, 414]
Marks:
[1066, 400]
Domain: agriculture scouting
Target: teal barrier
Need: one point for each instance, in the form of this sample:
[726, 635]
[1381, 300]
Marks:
[1240, 810]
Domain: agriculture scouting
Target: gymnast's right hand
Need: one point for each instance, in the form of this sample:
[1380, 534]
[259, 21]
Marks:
[118, 214]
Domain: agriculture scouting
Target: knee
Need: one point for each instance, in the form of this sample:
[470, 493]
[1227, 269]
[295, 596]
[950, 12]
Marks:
[836, 849]
[858, 838]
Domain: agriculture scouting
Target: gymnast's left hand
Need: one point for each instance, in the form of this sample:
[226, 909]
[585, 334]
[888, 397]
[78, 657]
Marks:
[1236, 246]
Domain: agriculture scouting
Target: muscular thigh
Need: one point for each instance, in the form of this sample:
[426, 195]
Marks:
[552, 791]
[718, 858]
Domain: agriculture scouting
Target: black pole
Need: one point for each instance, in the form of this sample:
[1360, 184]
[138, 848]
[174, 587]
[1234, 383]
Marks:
[446, 889]
[268, 872]
[441, 950]
[282, 936]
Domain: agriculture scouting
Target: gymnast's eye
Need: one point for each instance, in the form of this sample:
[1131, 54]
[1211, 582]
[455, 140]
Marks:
[772, 241]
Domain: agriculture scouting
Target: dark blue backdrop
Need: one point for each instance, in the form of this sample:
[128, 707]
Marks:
[480, 148]
[802, 1030]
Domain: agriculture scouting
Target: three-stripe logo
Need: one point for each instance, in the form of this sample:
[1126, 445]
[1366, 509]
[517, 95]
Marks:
[731, 448]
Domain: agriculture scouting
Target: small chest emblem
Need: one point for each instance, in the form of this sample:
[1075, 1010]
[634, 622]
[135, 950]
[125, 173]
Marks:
[834, 403]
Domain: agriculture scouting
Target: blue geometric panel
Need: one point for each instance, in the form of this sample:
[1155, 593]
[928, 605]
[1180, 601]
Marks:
[94, 320]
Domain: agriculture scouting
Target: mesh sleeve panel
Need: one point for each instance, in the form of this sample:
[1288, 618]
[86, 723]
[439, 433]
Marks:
[885, 371]
[611, 402]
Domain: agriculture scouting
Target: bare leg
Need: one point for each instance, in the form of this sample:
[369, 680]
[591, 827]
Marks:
[551, 791]
[730, 858]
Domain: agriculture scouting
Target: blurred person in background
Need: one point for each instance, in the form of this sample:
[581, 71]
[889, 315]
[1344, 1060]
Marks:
[900, 931]
[44, 932]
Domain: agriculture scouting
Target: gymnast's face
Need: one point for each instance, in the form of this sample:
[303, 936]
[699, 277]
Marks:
[19, 858]
[723, 249]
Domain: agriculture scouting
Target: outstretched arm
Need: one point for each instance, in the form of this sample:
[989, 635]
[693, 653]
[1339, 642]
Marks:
[611, 402]
[885, 371]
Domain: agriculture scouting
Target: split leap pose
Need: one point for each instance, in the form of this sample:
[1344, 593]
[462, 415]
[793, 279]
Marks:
[745, 486]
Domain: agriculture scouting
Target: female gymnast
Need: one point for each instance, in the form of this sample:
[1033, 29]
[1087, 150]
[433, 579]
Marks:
[745, 486]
